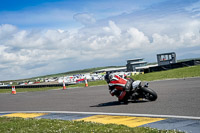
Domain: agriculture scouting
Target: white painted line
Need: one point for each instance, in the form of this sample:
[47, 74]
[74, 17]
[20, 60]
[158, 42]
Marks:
[103, 113]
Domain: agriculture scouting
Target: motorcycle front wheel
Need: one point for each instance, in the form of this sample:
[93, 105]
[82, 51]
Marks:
[149, 94]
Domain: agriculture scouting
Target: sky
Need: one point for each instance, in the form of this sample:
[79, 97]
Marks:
[41, 37]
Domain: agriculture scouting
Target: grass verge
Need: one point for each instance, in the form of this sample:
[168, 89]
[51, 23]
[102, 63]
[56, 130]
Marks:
[91, 83]
[185, 72]
[28, 89]
[21, 125]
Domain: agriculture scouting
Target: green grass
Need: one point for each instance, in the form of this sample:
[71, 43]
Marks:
[185, 72]
[92, 83]
[193, 71]
[28, 89]
[21, 125]
[15, 125]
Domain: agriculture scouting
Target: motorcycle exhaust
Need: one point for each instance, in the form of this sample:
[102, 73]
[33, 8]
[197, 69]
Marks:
[146, 84]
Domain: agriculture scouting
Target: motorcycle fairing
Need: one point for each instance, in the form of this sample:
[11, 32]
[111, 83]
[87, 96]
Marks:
[136, 83]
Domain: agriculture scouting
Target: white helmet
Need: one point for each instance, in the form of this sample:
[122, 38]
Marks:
[112, 75]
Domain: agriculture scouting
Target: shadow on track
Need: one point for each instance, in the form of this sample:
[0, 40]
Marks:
[115, 103]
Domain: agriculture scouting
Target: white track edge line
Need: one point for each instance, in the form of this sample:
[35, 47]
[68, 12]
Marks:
[103, 113]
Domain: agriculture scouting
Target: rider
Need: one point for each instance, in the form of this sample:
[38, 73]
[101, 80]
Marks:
[119, 85]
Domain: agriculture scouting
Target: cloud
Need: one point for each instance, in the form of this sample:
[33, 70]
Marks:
[36, 52]
[6, 30]
[84, 18]
[194, 7]
[137, 38]
[113, 28]
[30, 52]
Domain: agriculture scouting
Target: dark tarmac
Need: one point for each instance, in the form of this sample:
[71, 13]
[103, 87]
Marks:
[175, 97]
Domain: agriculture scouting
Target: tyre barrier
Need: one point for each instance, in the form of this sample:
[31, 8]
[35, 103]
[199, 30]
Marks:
[33, 86]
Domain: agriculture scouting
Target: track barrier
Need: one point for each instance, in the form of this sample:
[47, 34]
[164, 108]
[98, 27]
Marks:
[13, 90]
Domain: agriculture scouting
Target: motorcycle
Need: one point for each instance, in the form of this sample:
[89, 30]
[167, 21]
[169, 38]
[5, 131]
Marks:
[136, 93]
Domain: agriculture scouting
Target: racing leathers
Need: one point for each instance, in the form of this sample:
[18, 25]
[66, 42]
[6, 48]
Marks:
[120, 87]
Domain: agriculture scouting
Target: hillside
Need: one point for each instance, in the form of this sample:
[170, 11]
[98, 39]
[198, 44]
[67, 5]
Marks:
[82, 71]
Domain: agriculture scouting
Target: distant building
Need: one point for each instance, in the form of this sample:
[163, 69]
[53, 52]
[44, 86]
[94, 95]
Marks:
[166, 58]
[133, 63]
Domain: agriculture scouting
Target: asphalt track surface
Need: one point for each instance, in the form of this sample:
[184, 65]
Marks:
[178, 97]
[177, 106]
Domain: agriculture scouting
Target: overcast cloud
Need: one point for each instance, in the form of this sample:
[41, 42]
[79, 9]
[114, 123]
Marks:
[94, 39]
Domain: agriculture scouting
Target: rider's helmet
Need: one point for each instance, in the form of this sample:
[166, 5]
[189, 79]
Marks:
[111, 76]
[120, 74]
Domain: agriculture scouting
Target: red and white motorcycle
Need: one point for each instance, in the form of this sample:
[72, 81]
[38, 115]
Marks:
[134, 90]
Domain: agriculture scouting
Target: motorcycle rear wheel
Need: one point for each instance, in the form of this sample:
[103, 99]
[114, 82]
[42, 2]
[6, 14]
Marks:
[150, 94]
